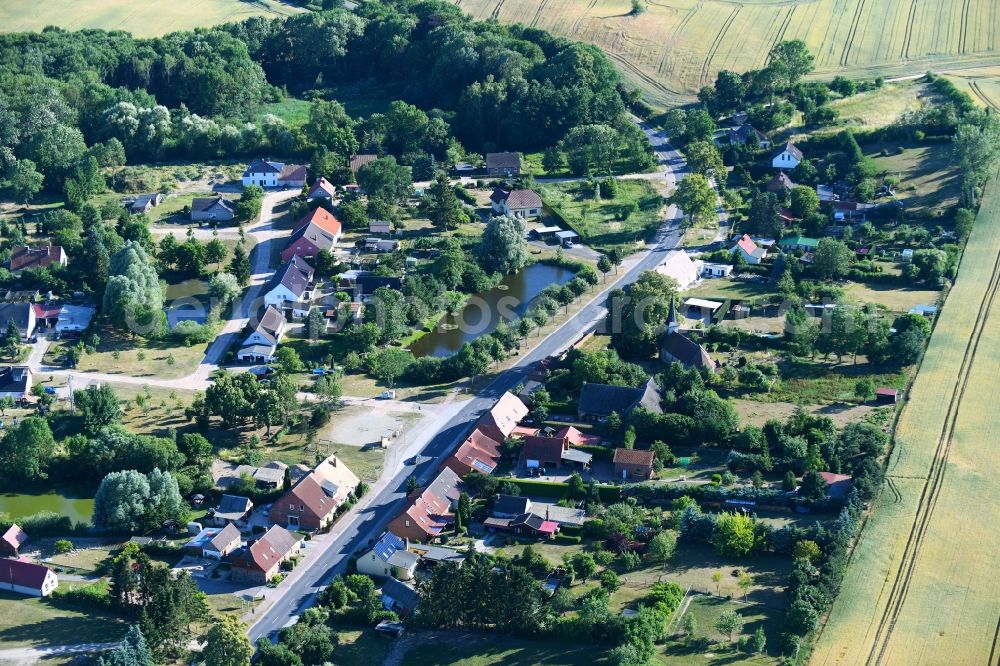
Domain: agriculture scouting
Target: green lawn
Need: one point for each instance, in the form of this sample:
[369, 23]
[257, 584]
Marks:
[293, 111]
[706, 611]
[814, 382]
[597, 221]
[26, 621]
[929, 180]
[155, 358]
[360, 648]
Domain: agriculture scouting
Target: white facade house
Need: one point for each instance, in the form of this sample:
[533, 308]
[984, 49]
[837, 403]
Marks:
[679, 266]
[262, 173]
[74, 318]
[15, 382]
[787, 157]
[711, 270]
[33, 580]
[388, 558]
[290, 289]
[262, 341]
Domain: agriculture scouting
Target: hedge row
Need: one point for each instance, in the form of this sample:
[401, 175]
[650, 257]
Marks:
[558, 491]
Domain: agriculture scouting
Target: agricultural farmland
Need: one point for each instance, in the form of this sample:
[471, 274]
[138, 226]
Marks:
[143, 18]
[921, 587]
[982, 84]
[676, 46]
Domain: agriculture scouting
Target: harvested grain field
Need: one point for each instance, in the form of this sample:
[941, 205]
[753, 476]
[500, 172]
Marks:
[676, 46]
[143, 18]
[982, 84]
[921, 587]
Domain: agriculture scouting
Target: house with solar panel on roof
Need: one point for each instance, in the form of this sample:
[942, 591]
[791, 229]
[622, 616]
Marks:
[389, 558]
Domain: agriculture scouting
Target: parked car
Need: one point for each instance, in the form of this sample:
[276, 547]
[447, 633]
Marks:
[388, 395]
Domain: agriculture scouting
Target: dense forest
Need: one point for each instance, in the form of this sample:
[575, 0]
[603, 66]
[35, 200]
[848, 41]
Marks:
[459, 85]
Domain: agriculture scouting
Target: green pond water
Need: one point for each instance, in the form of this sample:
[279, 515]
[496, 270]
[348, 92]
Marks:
[17, 505]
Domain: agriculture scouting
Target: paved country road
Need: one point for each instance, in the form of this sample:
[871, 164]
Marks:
[369, 517]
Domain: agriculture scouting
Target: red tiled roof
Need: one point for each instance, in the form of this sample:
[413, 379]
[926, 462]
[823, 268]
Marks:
[323, 219]
[15, 537]
[25, 574]
[545, 449]
[276, 543]
[45, 310]
[633, 457]
[292, 172]
[746, 244]
[310, 494]
[576, 438]
[22, 257]
[358, 161]
[324, 186]
[478, 453]
[886, 391]
[832, 478]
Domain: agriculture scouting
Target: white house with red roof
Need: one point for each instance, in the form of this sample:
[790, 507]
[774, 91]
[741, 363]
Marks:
[752, 253]
[33, 580]
[322, 190]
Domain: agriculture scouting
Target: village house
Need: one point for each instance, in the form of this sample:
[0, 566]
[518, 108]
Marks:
[749, 250]
[319, 230]
[801, 243]
[746, 134]
[357, 161]
[266, 477]
[322, 190]
[266, 173]
[336, 478]
[633, 464]
[261, 561]
[214, 543]
[365, 285]
[428, 511]
[146, 202]
[599, 401]
[787, 157]
[46, 314]
[510, 506]
[23, 315]
[519, 203]
[262, 341]
[15, 382]
[711, 270]
[526, 525]
[232, 510]
[837, 485]
[551, 452]
[399, 597]
[33, 580]
[306, 506]
[22, 257]
[378, 227]
[478, 453]
[12, 540]
[780, 184]
[382, 245]
[681, 268]
[212, 209]
[291, 287]
[388, 558]
[74, 318]
[499, 422]
[503, 164]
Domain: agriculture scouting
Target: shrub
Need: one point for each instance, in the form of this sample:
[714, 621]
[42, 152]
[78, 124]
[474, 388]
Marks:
[567, 539]
[63, 546]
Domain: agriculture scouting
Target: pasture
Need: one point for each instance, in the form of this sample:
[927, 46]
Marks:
[921, 587]
[675, 46]
[143, 18]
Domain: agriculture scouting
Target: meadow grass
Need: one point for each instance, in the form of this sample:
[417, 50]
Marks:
[948, 614]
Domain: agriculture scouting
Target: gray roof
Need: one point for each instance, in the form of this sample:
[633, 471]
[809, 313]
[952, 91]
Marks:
[403, 559]
[442, 554]
[503, 161]
[14, 379]
[402, 594]
[233, 507]
[201, 204]
[685, 350]
[270, 323]
[19, 313]
[292, 276]
[790, 147]
[445, 485]
[263, 166]
[225, 537]
[144, 200]
[603, 399]
[511, 504]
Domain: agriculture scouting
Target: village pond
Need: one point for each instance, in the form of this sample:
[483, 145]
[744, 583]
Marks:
[75, 506]
[483, 312]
